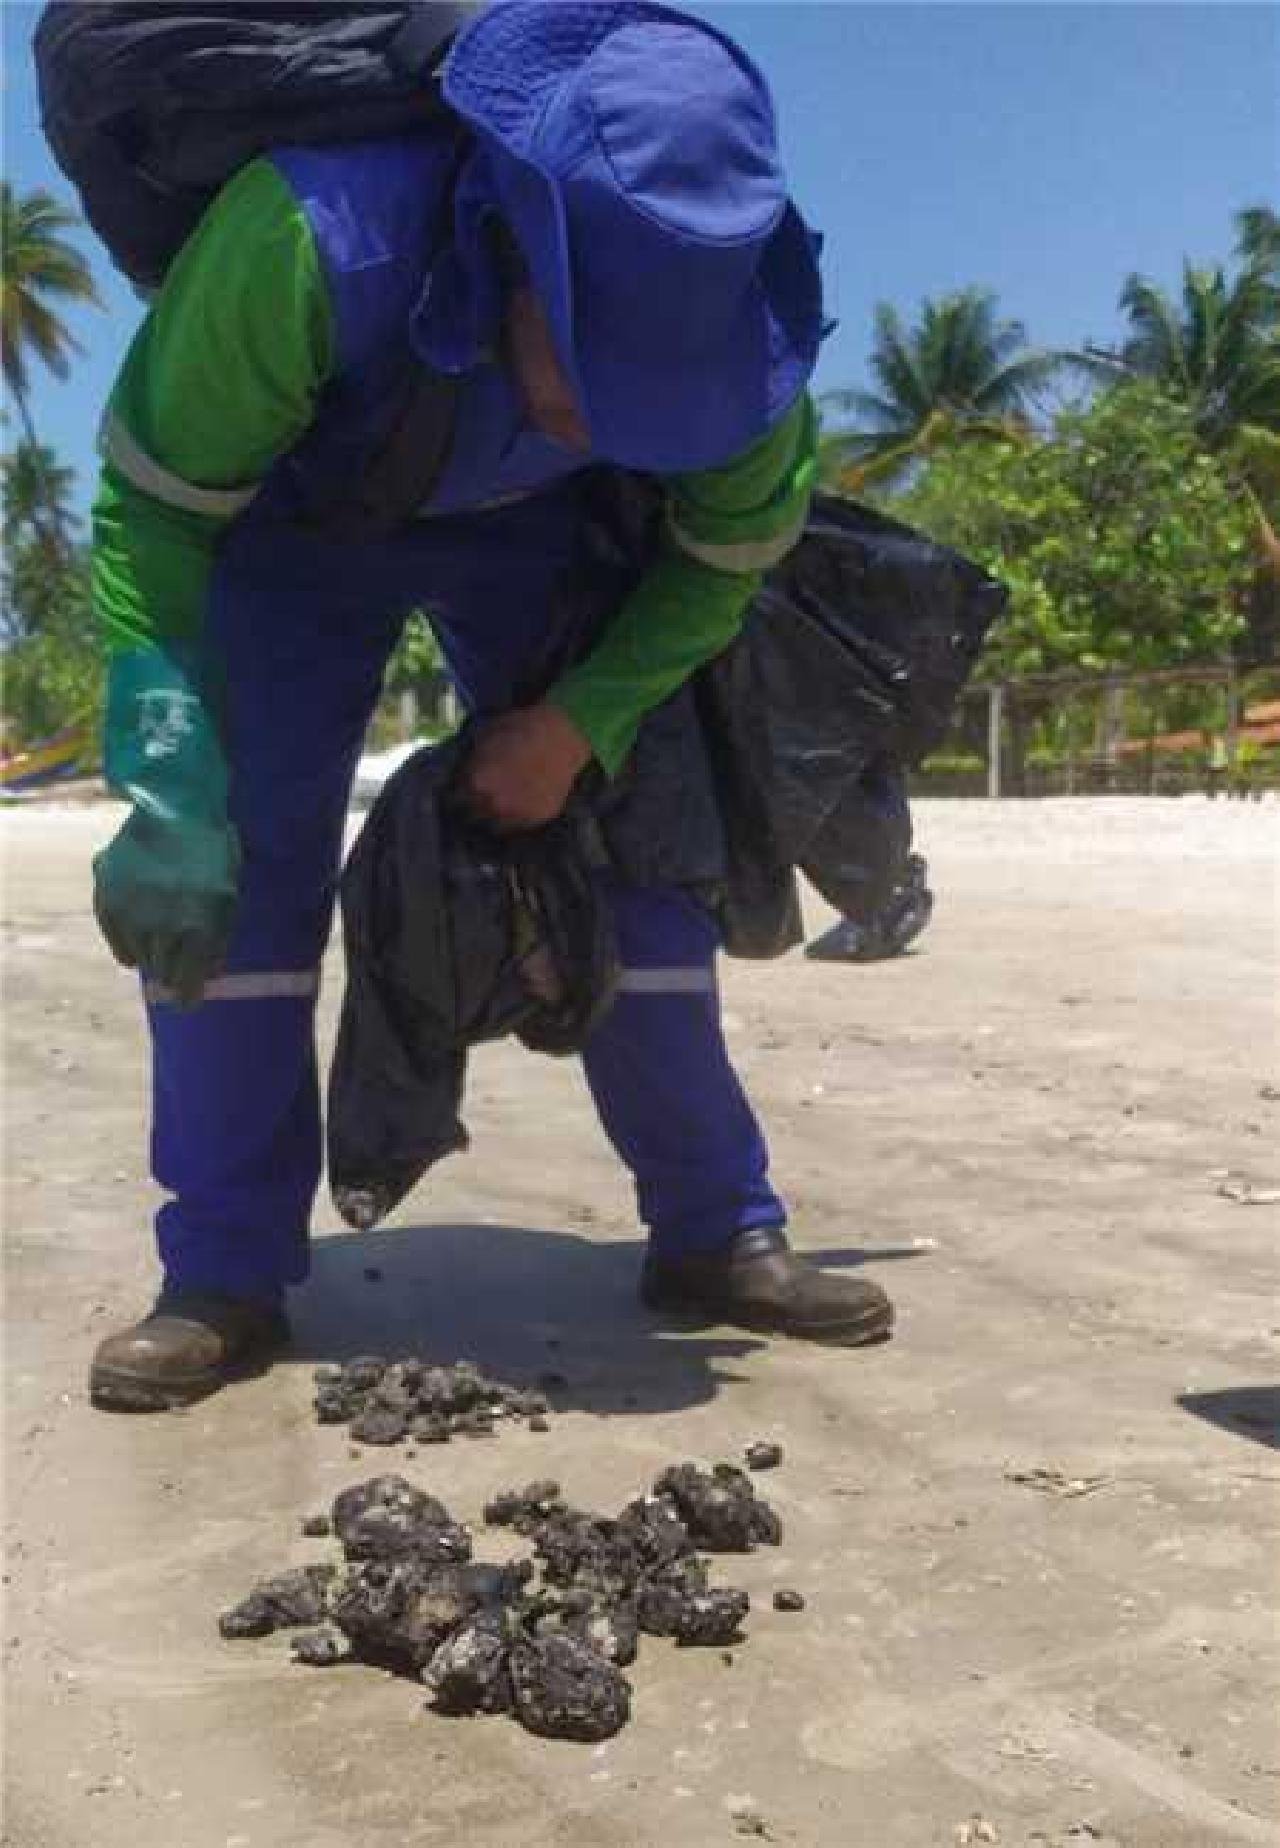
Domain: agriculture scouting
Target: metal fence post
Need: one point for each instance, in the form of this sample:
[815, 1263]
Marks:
[1233, 724]
[995, 729]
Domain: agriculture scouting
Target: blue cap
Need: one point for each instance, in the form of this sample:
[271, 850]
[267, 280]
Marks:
[632, 151]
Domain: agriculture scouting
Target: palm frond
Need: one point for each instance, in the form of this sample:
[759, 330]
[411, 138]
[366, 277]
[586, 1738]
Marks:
[39, 271]
[900, 364]
[1019, 386]
[41, 330]
[1258, 239]
[1155, 347]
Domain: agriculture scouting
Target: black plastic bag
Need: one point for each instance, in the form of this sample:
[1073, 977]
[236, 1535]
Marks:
[453, 936]
[150, 106]
[845, 676]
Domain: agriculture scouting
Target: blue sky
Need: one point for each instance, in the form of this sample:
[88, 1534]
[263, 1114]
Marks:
[1043, 149]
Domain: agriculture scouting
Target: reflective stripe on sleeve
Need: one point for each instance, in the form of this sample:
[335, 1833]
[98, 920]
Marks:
[686, 981]
[746, 555]
[254, 985]
[140, 469]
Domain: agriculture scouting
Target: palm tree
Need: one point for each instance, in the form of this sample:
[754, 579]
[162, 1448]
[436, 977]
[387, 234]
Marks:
[32, 482]
[38, 571]
[960, 373]
[1219, 350]
[39, 273]
[1258, 238]
[1217, 347]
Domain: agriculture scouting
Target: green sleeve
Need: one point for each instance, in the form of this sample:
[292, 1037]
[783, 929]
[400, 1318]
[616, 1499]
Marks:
[725, 528]
[222, 378]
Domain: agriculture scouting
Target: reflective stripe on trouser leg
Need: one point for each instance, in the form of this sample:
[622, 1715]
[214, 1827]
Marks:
[666, 1091]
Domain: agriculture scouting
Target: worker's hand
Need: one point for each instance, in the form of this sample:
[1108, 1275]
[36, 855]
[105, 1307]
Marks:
[165, 894]
[523, 766]
[165, 891]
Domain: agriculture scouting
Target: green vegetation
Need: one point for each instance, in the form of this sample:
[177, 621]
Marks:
[52, 675]
[1122, 539]
[413, 686]
[53, 664]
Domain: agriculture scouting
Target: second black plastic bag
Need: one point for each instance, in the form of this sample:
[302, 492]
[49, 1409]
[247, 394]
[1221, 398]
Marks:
[845, 676]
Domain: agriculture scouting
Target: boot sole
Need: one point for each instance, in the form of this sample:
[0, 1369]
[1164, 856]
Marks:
[869, 1330]
[115, 1389]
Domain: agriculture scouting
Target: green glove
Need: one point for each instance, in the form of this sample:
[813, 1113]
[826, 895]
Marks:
[165, 890]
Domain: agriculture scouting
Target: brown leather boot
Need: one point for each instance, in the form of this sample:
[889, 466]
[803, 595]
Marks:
[185, 1349]
[758, 1282]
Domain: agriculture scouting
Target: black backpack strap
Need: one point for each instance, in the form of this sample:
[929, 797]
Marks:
[418, 48]
[405, 470]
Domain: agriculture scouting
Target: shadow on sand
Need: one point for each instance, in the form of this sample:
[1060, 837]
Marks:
[520, 1302]
[1245, 1411]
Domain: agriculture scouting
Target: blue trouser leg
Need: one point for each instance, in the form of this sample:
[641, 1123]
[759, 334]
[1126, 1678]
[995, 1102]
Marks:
[304, 631]
[236, 1140]
[664, 1087]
